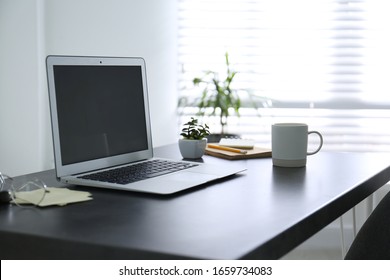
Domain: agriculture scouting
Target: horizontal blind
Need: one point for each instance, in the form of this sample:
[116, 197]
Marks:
[300, 54]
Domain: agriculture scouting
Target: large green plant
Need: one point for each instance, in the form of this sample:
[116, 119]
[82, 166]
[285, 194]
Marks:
[218, 94]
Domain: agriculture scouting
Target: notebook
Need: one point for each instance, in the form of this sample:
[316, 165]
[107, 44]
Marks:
[101, 124]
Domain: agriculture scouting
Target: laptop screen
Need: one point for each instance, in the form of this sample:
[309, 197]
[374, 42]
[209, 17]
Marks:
[100, 111]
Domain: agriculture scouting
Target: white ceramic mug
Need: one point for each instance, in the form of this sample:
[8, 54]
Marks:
[289, 144]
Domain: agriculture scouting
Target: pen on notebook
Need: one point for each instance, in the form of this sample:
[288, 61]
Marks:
[227, 149]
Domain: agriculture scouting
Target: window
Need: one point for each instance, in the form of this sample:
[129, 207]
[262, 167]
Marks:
[320, 62]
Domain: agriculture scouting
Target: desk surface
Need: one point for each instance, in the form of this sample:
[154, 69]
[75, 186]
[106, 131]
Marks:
[262, 213]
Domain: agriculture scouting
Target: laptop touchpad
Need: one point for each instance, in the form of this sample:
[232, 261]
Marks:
[192, 177]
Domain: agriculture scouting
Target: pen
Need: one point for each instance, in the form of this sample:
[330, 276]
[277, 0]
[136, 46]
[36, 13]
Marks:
[227, 149]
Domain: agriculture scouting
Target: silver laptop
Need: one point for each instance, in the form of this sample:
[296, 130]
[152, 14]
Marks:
[102, 133]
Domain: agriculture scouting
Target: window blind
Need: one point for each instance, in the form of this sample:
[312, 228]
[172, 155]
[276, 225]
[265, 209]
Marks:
[326, 59]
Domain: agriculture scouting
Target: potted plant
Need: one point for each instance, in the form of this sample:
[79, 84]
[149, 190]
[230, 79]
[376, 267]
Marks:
[219, 98]
[194, 141]
[218, 94]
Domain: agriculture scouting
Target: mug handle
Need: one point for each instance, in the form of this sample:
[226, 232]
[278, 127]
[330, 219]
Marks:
[321, 142]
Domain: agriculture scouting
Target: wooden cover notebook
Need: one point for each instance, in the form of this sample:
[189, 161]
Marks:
[256, 152]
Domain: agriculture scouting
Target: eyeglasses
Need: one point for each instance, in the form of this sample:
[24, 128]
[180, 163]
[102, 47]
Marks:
[22, 191]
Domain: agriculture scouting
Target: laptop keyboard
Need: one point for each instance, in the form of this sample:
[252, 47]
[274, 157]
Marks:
[138, 172]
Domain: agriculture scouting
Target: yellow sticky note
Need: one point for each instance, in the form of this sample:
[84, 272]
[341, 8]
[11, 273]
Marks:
[53, 196]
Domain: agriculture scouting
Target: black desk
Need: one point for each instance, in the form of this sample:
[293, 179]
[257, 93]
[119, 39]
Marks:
[262, 213]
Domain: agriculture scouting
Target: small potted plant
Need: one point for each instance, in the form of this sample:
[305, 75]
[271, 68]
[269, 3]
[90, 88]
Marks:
[194, 141]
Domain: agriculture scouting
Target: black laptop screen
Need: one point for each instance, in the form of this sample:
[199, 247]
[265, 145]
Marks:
[100, 111]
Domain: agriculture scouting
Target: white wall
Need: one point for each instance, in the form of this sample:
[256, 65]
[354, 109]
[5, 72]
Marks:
[32, 29]
[20, 106]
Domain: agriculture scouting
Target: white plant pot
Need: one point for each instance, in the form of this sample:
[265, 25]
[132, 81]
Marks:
[192, 149]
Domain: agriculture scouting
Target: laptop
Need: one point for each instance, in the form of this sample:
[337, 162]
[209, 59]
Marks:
[101, 129]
